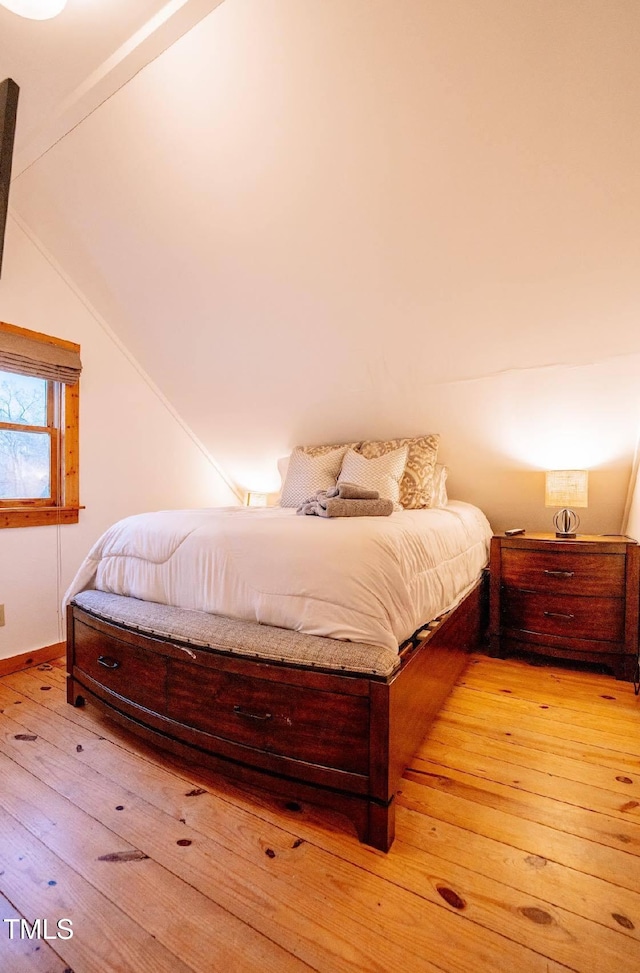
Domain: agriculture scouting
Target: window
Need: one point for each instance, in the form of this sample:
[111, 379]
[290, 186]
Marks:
[39, 396]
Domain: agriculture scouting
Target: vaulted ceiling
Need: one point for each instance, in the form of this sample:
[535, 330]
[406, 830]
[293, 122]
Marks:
[326, 219]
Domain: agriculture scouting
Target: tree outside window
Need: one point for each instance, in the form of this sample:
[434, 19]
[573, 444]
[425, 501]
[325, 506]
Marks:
[25, 453]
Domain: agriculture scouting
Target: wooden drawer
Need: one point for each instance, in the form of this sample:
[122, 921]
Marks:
[134, 673]
[563, 615]
[564, 573]
[271, 716]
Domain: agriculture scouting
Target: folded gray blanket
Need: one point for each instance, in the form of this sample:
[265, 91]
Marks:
[339, 507]
[351, 491]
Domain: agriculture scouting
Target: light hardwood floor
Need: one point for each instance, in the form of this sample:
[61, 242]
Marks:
[517, 847]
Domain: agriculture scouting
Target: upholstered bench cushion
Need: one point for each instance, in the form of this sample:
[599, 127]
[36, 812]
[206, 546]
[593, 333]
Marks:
[248, 639]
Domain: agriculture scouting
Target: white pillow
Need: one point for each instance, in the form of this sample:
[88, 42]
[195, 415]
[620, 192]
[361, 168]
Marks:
[283, 466]
[440, 474]
[309, 472]
[382, 473]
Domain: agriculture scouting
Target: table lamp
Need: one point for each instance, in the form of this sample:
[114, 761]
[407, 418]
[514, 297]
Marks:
[566, 489]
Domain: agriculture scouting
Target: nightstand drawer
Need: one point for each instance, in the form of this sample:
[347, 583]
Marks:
[574, 617]
[560, 573]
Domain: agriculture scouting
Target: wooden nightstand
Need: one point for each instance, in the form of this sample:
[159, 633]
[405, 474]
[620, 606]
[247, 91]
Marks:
[572, 599]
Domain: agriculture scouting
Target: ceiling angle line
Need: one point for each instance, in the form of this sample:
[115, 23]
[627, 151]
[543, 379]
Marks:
[144, 47]
[120, 345]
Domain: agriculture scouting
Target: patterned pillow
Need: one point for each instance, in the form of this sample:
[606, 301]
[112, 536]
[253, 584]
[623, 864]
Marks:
[309, 472]
[381, 473]
[440, 497]
[321, 450]
[416, 487]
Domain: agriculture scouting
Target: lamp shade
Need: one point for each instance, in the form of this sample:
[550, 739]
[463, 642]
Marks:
[566, 488]
[35, 9]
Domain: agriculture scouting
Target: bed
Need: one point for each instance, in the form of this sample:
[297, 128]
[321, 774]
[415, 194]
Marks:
[304, 656]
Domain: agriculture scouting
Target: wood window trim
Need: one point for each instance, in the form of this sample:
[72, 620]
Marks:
[66, 510]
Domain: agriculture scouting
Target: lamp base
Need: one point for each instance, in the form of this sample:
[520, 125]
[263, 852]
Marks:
[566, 522]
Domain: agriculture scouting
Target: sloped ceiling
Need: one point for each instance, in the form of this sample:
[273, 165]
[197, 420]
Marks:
[316, 220]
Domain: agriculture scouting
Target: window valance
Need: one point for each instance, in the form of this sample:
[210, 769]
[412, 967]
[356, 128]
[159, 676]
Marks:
[38, 355]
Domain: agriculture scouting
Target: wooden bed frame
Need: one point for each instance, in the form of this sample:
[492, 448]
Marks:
[336, 739]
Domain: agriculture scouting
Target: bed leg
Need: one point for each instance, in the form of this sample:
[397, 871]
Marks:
[73, 698]
[382, 826]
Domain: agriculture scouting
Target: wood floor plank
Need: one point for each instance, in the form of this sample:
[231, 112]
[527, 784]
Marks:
[21, 954]
[525, 870]
[567, 700]
[577, 703]
[593, 758]
[550, 708]
[446, 739]
[114, 867]
[512, 853]
[315, 873]
[518, 852]
[585, 728]
[517, 861]
[41, 884]
[459, 805]
[615, 833]
[486, 901]
[604, 903]
[134, 772]
[625, 806]
[329, 935]
[573, 689]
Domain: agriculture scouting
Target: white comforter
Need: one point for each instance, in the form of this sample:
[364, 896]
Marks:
[366, 579]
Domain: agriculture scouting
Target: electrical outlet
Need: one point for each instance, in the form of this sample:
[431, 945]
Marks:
[1, 614]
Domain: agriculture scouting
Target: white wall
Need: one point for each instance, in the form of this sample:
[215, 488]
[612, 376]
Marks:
[500, 433]
[345, 219]
[134, 453]
[366, 218]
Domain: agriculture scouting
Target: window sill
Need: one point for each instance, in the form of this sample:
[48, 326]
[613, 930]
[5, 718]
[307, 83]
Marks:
[37, 516]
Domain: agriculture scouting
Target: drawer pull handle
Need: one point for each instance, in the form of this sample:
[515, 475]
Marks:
[239, 711]
[108, 662]
[566, 617]
[560, 574]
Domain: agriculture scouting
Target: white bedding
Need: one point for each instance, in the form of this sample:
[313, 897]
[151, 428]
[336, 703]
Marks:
[365, 579]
